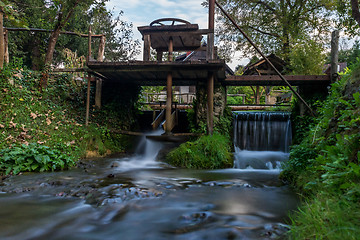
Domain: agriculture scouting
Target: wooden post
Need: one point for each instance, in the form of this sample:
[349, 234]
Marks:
[98, 93]
[334, 55]
[169, 91]
[159, 56]
[210, 37]
[100, 58]
[89, 45]
[210, 103]
[211, 75]
[171, 49]
[88, 100]
[101, 51]
[6, 53]
[147, 44]
[2, 45]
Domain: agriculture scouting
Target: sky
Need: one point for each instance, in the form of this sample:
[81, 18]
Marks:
[143, 12]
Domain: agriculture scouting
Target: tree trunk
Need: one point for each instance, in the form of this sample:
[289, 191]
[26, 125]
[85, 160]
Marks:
[49, 56]
[355, 10]
[52, 42]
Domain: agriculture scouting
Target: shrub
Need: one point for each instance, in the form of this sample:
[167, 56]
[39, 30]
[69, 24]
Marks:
[208, 152]
[33, 157]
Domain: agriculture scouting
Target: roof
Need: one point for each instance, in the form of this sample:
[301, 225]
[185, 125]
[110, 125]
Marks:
[261, 67]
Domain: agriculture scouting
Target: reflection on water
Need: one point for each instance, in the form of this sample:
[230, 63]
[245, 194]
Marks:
[138, 198]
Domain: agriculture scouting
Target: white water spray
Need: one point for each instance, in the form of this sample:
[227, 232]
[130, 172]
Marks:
[145, 154]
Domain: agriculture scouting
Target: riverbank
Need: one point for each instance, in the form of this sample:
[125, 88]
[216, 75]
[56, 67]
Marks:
[47, 128]
[324, 167]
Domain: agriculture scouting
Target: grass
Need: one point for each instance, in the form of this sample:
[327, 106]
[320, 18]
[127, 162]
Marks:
[326, 217]
[207, 152]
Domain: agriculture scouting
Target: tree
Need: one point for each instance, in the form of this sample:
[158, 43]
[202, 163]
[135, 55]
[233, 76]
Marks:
[275, 25]
[355, 10]
[64, 10]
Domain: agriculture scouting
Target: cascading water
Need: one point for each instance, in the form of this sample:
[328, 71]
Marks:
[261, 139]
[145, 154]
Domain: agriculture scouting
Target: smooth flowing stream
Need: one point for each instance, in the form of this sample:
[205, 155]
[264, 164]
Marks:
[140, 198]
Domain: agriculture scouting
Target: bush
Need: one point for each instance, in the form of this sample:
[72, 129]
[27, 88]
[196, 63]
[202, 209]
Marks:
[33, 157]
[208, 152]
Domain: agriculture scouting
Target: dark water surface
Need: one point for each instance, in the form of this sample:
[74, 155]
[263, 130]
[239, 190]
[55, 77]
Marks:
[162, 203]
[139, 198]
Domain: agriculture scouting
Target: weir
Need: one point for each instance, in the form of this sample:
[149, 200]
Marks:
[261, 139]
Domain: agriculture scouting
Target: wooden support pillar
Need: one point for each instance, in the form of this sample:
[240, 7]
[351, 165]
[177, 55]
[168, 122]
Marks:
[169, 91]
[100, 58]
[89, 45]
[6, 53]
[159, 56]
[210, 103]
[2, 42]
[334, 55]
[168, 102]
[171, 49]
[210, 56]
[210, 37]
[88, 100]
[98, 93]
[147, 44]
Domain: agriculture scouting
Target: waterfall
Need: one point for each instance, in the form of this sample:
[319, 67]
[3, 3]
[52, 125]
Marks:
[145, 154]
[261, 139]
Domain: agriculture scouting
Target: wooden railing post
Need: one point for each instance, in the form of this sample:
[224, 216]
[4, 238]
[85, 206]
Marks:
[89, 45]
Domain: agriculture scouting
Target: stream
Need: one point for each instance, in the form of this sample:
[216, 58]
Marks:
[138, 197]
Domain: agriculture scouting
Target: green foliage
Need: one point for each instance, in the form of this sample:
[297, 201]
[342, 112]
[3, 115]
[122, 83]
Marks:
[325, 166]
[33, 157]
[208, 152]
[51, 120]
[307, 58]
[41, 14]
[275, 25]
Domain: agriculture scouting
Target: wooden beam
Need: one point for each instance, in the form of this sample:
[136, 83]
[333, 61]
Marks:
[275, 80]
[46, 30]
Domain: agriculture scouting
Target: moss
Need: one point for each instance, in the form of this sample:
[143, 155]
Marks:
[207, 152]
